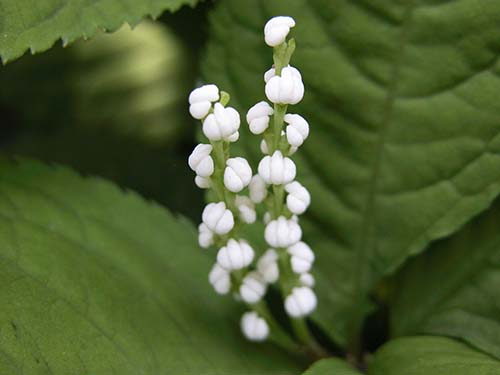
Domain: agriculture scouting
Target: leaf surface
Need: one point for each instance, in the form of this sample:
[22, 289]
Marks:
[37, 25]
[331, 366]
[94, 280]
[404, 147]
[454, 288]
[431, 356]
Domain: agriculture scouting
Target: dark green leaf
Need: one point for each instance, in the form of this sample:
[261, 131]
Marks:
[331, 366]
[454, 288]
[94, 280]
[431, 356]
[402, 99]
[36, 26]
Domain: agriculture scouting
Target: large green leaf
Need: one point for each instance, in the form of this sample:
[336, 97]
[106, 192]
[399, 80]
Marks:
[431, 356]
[94, 280]
[402, 98]
[454, 288]
[37, 25]
[331, 366]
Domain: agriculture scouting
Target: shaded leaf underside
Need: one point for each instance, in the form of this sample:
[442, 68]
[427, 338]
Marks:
[97, 281]
[405, 122]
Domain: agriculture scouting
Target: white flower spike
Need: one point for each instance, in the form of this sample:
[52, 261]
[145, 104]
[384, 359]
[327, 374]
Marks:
[298, 198]
[302, 257]
[257, 189]
[220, 279]
[246, 209]
[201, 99]
[277, 29]
[301, 302]
[205, 236]
[276, 169]
[252, 288]
[287, 88]
[235, 255]
[200, 160]
[218, 218]
[297, 130]
[258, 117]
[254, 327]
[267, 266]
[237, 174]
[222, 124]
[282, 233]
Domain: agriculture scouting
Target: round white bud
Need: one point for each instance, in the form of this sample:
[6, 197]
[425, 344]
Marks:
[282, 232]
[202, 182]
[307, 279]
[246, 209]
[235, 255]
[258, 117]
[220, 279]
[298, 198]
[201, 99]
[302, 257]
[254, 327]
[301, 302]
[276, 169]
[205, 236]
[267, 266]
[218, 218]
[237, 174]
[252, 288]
[269, 74]
[263, 147]
[287, 88]
[257, 189]
[276, 30]
[297, 130]
[267, 217]
[222, 124]
[233, 137]
[200, 160]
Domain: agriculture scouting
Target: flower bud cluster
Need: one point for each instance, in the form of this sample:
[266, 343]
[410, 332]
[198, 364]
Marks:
[288, 261]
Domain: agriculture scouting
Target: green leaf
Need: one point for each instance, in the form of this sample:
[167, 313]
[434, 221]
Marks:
[405, 138]
[94, 280]
[37, 26]
[431, 356]
[454, 288]
[331, 366]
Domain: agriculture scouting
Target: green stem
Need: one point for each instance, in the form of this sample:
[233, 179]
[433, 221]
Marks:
[278, 115]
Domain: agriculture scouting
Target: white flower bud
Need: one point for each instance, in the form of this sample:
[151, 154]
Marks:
[252, 288]
[257, 189]
[200, 160]
[254, 327]
[297, 130]
[201, 99]
[269, 74]
[246, 209]
[298, 198]
[276, 30]
[258, 117]
[233, 137]
[267, 266]
[220, 279]
[235, 255]
[217, 218]
[287, 88]
[263, 147]
[276, 169]
[307, 279]
[282, 232]
[302, 257]
[202, 182]
[237, 174]
[222, 124]
[301, 302]
[267, 217]
[205, 236]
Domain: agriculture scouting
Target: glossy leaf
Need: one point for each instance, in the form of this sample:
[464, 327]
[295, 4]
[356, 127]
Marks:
[94, 280]
[431, 356]
[454, 288]
[404, 146]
